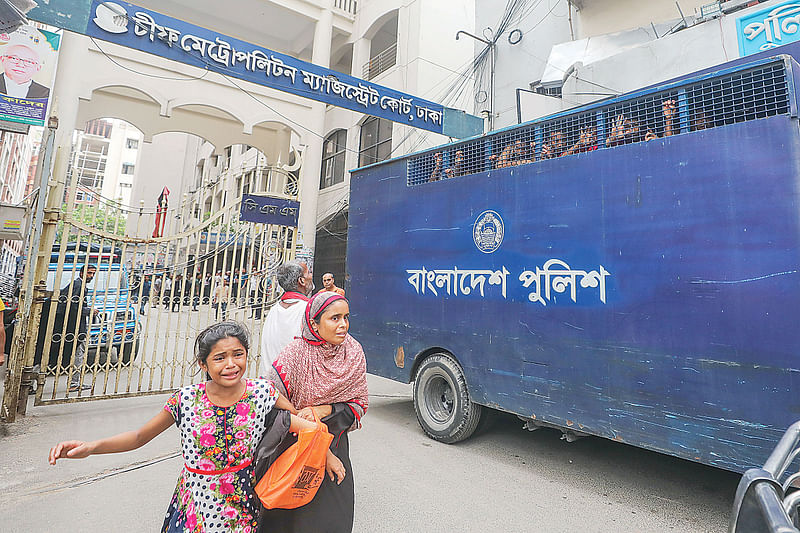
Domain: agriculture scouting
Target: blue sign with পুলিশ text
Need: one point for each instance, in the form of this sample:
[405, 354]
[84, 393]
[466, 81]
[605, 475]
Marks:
[269, 210]
[768, 28]
[135, 27]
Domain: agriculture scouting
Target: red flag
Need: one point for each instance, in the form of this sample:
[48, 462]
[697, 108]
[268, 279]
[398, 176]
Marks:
[161, 212]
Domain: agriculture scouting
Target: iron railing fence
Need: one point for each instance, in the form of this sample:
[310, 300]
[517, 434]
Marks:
[380, 63]
[161, 275]
[748, 94]
[348, 6]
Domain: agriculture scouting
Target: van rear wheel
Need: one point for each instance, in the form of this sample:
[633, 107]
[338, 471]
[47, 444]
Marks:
[441, 400]
[129, 351]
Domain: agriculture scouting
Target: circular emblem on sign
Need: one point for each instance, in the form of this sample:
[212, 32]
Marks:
[111, 17]
[488, 231]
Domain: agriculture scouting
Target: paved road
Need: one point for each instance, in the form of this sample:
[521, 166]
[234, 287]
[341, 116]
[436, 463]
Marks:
[506, 479]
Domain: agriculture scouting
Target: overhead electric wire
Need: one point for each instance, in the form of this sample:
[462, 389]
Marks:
[453, 92]
[550, 11]
[196, 78]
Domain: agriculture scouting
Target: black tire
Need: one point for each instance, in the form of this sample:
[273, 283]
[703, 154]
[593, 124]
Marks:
[441, 400]
[129, 351]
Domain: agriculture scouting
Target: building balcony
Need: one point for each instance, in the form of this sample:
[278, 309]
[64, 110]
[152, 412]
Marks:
[380, 63]
[348, 7]
[93, 154]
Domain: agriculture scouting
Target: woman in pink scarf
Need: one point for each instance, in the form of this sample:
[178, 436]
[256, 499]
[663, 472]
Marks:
[324, 371]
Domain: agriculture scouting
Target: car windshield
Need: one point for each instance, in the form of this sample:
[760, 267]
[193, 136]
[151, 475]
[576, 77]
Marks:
[104, 280]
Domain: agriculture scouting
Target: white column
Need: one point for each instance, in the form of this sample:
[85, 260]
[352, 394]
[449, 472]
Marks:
[404, 30]
[312, 158]
[361, 48]
[65, 102]
[360, 56]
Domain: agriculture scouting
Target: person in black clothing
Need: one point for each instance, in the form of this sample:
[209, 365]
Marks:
[145, 294]
[197, 290]
[234, 287]
[74, 305]
[166, 291]
[177, 292]
[207, 285]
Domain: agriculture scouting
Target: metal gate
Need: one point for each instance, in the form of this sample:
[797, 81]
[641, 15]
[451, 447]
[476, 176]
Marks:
[129, 329]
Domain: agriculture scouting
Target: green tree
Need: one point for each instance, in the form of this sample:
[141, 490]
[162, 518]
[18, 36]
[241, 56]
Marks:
[97, 216]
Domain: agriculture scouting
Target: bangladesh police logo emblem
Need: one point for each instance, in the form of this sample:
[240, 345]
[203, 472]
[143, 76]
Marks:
[488, 231]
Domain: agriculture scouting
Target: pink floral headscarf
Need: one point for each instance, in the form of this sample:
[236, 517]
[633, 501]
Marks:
[316, 372]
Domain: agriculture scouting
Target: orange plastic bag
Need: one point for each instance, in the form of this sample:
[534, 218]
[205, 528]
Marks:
[294, 478]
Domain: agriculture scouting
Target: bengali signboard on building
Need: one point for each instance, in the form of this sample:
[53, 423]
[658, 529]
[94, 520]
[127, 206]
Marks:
[768, 28]
[141, 29]
[269, 210]
[29, 57]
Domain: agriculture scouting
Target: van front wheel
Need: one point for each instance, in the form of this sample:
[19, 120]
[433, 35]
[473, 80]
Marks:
[441, 400]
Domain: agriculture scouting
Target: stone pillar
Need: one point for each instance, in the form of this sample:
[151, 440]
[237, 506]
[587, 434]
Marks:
[312, 156]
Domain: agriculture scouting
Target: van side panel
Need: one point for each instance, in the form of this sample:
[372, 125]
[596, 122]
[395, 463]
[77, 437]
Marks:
[695, 350]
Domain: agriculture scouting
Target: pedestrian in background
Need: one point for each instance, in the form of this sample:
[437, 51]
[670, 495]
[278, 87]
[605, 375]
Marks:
[234, 287]
[145, 294]
[208, 286]
[222, 294]
[155, 295]
[74, 307]
[329, 285]
[177, 293]
[166, 287]
[221, 421]
[197, 290]
[284, 321]
[253, 281]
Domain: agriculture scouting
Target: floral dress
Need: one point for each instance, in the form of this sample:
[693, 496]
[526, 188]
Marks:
[215, 489]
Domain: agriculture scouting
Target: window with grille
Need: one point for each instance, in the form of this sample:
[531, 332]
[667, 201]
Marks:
[333, 154]
[741, 95]
[127, 168]
[132, 143]
[376, 141]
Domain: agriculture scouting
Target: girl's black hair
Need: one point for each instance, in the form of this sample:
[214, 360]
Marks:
[214, 333]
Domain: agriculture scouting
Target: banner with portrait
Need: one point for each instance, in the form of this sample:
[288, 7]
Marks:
[28, 57]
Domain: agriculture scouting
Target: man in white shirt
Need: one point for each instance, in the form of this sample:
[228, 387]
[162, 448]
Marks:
[285, 319]
[20, 63]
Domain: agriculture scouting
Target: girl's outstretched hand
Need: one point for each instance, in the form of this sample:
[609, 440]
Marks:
[69, 449]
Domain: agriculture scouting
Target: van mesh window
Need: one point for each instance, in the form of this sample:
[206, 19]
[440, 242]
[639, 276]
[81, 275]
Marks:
[736, 97]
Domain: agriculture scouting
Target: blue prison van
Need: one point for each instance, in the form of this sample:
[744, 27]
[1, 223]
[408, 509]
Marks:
[629, 269]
